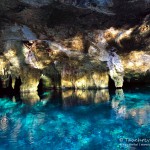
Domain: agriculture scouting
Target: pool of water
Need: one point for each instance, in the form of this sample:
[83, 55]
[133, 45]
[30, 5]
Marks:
[76, 120]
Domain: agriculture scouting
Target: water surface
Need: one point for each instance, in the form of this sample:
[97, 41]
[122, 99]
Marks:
[74, 120]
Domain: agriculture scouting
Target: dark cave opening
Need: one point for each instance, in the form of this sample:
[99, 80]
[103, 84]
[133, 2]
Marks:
[111, 84]
[17, 85]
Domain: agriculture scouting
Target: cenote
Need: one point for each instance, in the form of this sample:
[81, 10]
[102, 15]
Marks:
[74, 74]
[74, 120]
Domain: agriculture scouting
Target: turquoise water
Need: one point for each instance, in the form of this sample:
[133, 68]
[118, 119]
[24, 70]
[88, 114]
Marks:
[76, 120]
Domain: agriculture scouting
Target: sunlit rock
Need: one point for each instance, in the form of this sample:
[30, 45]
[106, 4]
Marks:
[37, 34]
[4, 72]
[111, 34]
[85, 82]
[30, 79]
[51, 77]
[66, 84]
[36, 54]
[4, 65]
[98, 47]
[136, 64]
[13, 53]
[124, 35]
[76, 43]
[46, 82]
[118, 35]
[80, 73]
[101, 79]
[99, 51]
[144, 28]
[116, 69]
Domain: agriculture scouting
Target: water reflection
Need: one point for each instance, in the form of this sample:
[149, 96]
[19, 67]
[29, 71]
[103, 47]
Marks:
[118, 103]
[102, 96]
[140, 115]
[30, 97]
[84, 97]
[94, 117]
[4, 123]
[132, 105]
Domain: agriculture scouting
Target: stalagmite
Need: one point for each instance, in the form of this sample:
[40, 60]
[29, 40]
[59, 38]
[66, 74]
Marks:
[101, 79]
[30, 79]
[13, 83]
[116, 69]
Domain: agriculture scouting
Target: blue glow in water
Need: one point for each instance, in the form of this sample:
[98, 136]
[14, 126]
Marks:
[75, 125]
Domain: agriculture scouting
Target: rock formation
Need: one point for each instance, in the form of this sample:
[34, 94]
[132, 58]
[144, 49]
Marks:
[74, 44]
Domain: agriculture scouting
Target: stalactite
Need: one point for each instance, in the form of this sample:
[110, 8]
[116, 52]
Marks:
[116, 69]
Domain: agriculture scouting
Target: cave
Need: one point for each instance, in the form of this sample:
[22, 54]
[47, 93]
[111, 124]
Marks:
[74, 74]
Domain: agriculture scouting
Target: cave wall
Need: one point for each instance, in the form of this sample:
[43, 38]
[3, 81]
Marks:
[74, 44]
